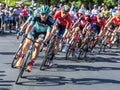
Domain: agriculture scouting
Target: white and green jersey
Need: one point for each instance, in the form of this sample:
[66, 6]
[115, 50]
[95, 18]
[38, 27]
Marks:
[41, 26]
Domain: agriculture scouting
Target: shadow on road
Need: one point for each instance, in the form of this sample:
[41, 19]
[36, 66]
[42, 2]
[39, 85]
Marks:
[48, 80]
[7, 53]
[5, 34]
[105, 59]
[4, 89]
[93, 59]
[4, 82]
[72, 68]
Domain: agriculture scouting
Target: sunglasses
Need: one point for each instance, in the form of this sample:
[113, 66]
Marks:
[44, 14]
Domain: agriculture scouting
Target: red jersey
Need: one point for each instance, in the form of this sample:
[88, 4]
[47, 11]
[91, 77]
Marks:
[94, 19]
[83, 21]
[115, 21]
[102, 23]
[64, 21]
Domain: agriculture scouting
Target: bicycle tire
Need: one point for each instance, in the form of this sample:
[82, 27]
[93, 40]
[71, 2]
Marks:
[68, 52]
[14, 61]
[118, 41]
[22, 68]
[45, 58]
[103, 46]
[83, 51]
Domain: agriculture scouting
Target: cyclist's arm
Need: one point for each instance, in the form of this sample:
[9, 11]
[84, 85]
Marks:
[68, 26]
[47, 37]
[54, 29]
[110, 21]
[75, 24]
[29, 27]
[24, 26]
[56, 15]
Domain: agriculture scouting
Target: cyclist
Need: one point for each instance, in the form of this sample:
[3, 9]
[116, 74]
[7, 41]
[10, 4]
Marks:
[114, 24]
[62, 23]
[41, 25]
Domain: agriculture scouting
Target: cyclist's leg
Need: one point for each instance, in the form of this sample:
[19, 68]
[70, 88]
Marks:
[24, 50]
[34, 54]
[55, 50]
[113, 35]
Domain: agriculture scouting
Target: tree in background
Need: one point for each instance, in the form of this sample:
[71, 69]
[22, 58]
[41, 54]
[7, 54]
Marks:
[77, 3]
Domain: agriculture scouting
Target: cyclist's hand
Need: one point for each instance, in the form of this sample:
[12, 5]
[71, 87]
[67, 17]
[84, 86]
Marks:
[45, 44]
[25, 35]
[20, 33]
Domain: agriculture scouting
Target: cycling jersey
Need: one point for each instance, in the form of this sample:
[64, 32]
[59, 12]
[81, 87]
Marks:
[94, 19]
[102, 23]
[115, 21]
[84, 21]
[41, 26]
[63, 21]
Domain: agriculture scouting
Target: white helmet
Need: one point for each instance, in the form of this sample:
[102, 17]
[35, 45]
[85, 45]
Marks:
[81, 11]
[88, 13]
[72, 13]
[95, 12]
[37, 12]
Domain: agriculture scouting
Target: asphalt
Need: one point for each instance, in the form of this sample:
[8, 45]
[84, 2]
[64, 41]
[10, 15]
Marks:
[102, 72]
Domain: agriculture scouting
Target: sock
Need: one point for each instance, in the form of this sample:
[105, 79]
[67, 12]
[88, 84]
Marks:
[31, 62]
[22, 56]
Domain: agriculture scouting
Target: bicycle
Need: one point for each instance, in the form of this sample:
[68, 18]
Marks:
[106, 39]
[86, 46]
[25, 62]
[49, 51]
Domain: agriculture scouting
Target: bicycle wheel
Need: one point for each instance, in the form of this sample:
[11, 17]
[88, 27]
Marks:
[16, 56]
[48, 54]
[68, 52]
[103, 46]
[23, 67]
[118, 41]
[28, 56]
[83, 51]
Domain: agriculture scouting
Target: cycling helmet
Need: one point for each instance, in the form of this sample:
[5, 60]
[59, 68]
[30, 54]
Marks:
[66, 8]
[95, 12]
[37, 12]
[44, 9]
[72, 13]
[87, 13]
[81, 11]
[100, 15]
